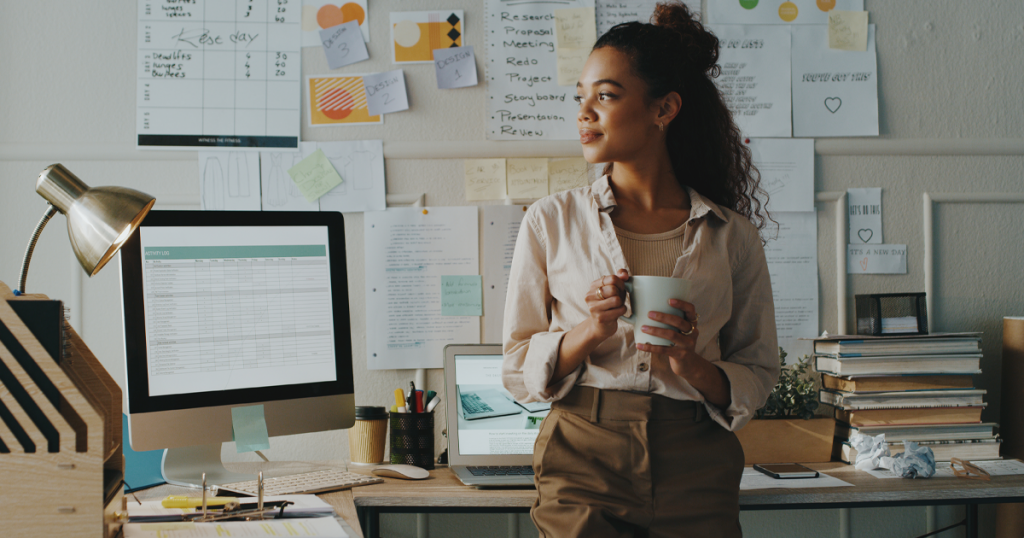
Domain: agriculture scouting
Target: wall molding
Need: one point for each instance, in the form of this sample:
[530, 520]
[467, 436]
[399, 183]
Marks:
[474, 149]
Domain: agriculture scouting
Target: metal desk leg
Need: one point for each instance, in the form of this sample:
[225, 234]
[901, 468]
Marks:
[972, 521]
[369, 520]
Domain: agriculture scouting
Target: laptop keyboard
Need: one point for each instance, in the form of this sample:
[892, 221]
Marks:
[501, 470]
[473, 404]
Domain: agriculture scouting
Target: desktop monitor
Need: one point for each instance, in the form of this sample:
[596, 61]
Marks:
[226, 309]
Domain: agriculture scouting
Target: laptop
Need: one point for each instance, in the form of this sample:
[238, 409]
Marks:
[490, 435]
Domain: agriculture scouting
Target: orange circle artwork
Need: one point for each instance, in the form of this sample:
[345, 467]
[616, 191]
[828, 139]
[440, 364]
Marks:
[826, 5]
[788, 11]
[336, 104]
[331, 15]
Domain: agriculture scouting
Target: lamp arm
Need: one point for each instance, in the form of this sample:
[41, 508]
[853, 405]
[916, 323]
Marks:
[50, 212]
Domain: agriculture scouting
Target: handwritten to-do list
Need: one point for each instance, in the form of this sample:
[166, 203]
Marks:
[218, 74]
[755, 77]
[524, 100]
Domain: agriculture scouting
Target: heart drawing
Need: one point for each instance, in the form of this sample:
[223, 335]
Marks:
[833, 104]
[864, 264]
[870, 234]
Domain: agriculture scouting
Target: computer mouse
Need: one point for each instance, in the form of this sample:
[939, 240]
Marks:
[401, 470]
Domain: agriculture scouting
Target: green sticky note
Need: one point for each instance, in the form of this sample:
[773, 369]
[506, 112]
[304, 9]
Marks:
[249, 428]
[315, 176]
[462, 295]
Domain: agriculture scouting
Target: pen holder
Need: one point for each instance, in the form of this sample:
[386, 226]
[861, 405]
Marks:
[412, 439]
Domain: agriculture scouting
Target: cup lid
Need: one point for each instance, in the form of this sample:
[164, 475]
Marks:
[370, 412]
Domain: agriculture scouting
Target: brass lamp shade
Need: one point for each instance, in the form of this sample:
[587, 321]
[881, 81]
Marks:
[100, 219]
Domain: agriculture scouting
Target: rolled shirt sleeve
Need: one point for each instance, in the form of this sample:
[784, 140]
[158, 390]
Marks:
[530, 341]
[748, 340]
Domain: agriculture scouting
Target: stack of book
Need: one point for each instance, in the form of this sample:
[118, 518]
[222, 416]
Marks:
[911, 388]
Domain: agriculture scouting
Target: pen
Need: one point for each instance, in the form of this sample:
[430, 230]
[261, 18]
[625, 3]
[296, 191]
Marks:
[433, 403]
[400, 400]
[411, 401]
[419, 401]
[428, 396]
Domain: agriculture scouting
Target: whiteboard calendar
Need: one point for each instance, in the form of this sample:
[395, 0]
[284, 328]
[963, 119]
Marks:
[216, 74]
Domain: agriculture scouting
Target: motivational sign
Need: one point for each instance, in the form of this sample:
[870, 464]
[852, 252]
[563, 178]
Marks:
[524, 100]
[343, 45]
[385, 92]
[865, 215]
[835, 92]
[455, 67]
[755, 79]
[876, 259]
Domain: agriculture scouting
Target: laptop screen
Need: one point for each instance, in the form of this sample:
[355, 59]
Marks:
[490, 421]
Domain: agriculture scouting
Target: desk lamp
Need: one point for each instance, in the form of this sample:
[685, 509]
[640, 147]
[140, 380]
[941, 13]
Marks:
[100, 219]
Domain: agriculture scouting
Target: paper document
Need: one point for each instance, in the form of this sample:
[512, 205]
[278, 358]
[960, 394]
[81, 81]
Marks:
[524, 100]
[303, 504]
[757, 480]
[361, 164]
[755, 80]
[229, 180]
[279, 192]
[612, 12]
[408, 250]
[776, 11]
[787, 172]
[500, 230]
[865, 215]
[213, 75]
[324, 527]
[835, 92]
[793, 267]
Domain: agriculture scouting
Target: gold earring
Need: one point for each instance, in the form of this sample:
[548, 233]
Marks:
[661, 126]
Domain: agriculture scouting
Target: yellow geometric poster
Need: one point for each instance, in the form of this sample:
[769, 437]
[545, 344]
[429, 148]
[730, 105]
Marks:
[416, 34]
[338, 100]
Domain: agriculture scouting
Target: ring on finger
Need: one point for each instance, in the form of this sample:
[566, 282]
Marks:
[688, 333]
[696, 318]
[600, 296]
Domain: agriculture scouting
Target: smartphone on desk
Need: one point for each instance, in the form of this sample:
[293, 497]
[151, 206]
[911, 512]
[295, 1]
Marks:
[786, 470]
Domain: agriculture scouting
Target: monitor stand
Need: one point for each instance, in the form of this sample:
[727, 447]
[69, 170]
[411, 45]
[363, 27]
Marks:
[185, 466]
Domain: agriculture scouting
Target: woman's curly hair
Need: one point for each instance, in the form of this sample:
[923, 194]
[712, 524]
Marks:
[676, 53]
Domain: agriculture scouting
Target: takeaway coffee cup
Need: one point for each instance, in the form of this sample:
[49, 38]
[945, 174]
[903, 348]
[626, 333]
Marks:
[651, 294]
[367, 437]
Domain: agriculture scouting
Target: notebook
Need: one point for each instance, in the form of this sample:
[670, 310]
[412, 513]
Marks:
[490, 435]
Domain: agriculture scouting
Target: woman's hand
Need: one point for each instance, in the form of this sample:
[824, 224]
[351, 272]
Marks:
[684, 337]
[606, 300]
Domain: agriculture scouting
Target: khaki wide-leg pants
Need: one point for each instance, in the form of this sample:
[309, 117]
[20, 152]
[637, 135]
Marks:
[614, 463]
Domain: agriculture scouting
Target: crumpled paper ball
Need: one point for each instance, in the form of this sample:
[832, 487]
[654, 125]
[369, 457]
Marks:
[870, 451]
[914, 462]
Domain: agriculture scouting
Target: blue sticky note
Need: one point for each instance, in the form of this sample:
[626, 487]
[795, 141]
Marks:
[249, 428]
[141, 469]
[462, 295]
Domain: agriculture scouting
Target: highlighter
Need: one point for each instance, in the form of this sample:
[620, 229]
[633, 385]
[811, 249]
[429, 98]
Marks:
[400, 400]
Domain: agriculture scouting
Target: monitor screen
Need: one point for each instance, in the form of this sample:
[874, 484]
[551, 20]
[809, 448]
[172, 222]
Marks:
[231, 308]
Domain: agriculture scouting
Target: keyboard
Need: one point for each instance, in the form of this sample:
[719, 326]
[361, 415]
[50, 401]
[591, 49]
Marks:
[500, 470]
[473, 404]
[312, 482]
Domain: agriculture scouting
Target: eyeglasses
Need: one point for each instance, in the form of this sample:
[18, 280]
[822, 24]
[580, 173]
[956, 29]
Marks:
[967, 469]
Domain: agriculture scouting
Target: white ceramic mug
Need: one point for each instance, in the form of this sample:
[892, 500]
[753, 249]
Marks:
[651, 294]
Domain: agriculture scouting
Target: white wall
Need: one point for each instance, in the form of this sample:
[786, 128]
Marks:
[950, 75]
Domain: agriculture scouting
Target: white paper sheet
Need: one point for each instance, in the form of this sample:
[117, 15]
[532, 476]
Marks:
[612, 12]
[500, 230]
[835, 92]
[360, 163]
[343, 44]
[757, 480]
[774, 11]
[406, 254]
[229, 180]
[755, 78]
[217, 75]
[385, 92]
[324, 527]
[320, 14]
[787, 172]
[793, 267]
[524, 100]
[455, 67]
[865, 215]
[279, 191]
[876, 259]
[942, 469]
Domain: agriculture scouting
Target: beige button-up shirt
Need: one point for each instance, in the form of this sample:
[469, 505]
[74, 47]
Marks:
[567, 241]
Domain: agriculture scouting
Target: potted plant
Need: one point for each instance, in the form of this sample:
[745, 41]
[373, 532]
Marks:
[786, 430]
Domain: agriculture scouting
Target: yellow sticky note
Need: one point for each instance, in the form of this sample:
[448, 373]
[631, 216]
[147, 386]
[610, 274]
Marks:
[527, 178]
[315, 176]
[485, 179]
[570, 65]
[848, 30]
[565, 174]
[575, 28]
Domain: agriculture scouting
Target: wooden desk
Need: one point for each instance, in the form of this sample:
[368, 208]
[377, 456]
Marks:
[443, 493]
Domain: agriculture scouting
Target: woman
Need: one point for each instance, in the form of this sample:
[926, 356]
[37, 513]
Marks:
[627, 449]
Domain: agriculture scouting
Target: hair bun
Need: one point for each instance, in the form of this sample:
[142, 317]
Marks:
[699, 45]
